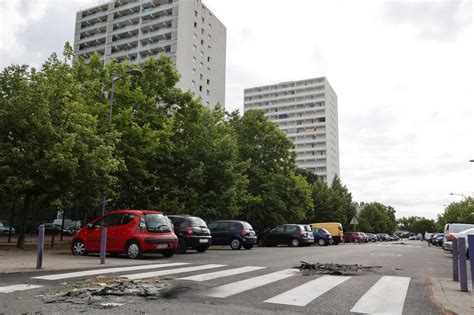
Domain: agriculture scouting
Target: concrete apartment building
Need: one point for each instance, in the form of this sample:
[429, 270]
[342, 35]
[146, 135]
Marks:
[306, 111]
[186, 31]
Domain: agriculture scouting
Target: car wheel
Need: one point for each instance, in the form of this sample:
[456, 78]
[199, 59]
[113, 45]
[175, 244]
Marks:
[294, 243]
[235, 244]
[133, 250]
[182, 246]
[202, 249]
[322, 242]
[248, 246]
[78, 248]
[168, 253]
[334, 242]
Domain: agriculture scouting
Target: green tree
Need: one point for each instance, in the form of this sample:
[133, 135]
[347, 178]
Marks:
[377, 218]
[344, 206]
[275, 193]
[457, 212]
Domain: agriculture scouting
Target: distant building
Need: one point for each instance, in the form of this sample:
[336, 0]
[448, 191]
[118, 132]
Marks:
[186, 31]
[306, 111]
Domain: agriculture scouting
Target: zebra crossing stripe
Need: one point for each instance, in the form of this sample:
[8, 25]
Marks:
[106, 271]
[248, 284]
[19, 287]
[152, 274]
[221, 274]
[377, 301]
[304, 294]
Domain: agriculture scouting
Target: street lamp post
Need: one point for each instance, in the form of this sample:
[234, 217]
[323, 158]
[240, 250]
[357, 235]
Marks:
[461, 194]
[132, 72]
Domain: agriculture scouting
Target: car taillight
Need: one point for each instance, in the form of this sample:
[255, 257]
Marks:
[244, 232]
[190, 231]
[451, 237]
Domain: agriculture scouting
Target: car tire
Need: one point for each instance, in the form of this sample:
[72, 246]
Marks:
[322, 242]
[182, 246]
[334, 243]
[202, 249]
[235, 244]
[294, 243]
[78, 248]
[133, 250]
[168, 253]
[248, 246]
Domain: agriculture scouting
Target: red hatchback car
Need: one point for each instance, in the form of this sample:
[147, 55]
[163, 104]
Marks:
[131, 232]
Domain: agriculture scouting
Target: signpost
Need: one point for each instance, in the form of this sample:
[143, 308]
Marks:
[354, 222]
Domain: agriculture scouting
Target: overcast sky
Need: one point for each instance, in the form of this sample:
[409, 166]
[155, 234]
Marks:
[402, 70]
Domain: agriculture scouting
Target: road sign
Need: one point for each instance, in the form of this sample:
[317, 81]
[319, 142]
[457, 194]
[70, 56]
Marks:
[354, 221]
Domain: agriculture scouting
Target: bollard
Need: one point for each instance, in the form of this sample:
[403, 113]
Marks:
[103, 245]
[39, 258]
[462, 264]
[470, 242]
[455, 261]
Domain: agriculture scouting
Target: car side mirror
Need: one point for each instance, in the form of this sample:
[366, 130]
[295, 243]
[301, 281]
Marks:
[90, 226]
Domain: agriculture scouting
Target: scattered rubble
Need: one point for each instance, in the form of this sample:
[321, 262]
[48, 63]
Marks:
[334, 269]
[107, 292]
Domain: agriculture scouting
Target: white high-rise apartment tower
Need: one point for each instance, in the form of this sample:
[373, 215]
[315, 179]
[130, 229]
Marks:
[306, 111]
[185, 30]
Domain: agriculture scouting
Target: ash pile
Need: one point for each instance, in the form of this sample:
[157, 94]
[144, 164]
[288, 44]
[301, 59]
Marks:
[107, 292]
[334, 269]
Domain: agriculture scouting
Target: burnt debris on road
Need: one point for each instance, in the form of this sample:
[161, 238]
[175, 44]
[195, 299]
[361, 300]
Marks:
[334, 269]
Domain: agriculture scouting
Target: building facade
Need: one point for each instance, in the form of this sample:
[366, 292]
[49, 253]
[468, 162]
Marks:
[186, 31]
[306, 111]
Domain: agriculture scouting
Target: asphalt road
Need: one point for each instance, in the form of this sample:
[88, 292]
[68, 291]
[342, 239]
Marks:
[401, 285]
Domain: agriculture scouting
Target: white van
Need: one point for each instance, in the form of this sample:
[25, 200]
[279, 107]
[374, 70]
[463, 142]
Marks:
[453, 228]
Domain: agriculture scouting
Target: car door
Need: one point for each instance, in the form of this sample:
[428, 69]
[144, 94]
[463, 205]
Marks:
[216, 233]
[122, 232]
[291, 232]
[275, 237]
[94, 235]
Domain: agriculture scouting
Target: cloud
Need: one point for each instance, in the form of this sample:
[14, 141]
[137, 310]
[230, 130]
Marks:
[434, 20]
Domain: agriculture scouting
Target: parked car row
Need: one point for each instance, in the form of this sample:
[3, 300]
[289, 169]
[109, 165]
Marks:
[136, 232]
[361, 237]
[5, 229]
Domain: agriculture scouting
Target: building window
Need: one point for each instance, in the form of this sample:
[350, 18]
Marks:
[194, 59]
[202, 19]
[195, 36]
[195, 24]
[202, 42]
[202, 31]
[194, 71]
[194, 83]
[209, 59]
[194, 47]
[195, 13]
[209, 36]
[202, 53]
[210, 26]
[201, 64]
[200, 88]
[208, 81]
[200, 76]
[207, 92]
[208, 70]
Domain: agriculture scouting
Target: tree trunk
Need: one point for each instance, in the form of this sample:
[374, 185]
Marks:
[23, 221]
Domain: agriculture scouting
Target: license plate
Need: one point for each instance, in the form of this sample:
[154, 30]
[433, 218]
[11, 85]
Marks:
[162, 246]
[203, 240]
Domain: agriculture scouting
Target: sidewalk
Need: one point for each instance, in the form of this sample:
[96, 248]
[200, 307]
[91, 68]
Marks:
[447, 293]
[61, 259]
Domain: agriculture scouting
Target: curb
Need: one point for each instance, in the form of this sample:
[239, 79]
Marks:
[440, 298]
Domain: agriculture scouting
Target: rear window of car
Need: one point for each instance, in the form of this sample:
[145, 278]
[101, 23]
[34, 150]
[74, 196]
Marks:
[325, 231]
[306, 228]
[157, 222]
[247, 226]
[193, 221]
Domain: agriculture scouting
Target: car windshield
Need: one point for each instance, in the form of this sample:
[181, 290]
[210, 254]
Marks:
[197, 222]
[157, 222]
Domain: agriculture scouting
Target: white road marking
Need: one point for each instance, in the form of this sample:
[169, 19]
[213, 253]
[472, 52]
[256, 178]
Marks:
[152, 274]
[304, 294]
[248, 284]
[221, 274]
[18, 287]
[386, 296]
[106, 271]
